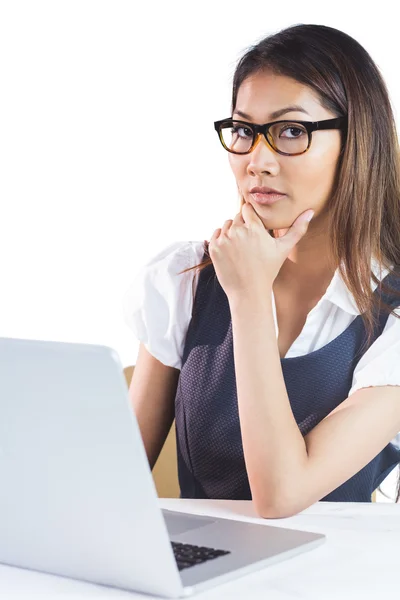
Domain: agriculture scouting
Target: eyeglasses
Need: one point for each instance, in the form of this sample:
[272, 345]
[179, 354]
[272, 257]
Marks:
[289, 138]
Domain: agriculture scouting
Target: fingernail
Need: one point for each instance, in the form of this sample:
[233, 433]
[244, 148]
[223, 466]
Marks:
[309, 216]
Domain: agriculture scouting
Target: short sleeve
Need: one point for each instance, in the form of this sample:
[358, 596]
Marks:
[380, 365]
[158, 304]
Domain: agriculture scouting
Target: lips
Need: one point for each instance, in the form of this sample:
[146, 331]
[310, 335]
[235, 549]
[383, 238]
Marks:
[265, 190]
[266, 195]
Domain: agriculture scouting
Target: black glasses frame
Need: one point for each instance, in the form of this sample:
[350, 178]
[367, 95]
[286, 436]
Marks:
[258, 130]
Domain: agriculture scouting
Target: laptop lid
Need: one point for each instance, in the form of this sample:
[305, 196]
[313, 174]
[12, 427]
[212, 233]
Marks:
[53, 396]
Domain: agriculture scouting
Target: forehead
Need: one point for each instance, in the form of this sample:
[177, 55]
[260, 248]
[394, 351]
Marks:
[263, 93]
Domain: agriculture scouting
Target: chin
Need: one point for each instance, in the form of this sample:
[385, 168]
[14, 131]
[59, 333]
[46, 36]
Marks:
[280, 225]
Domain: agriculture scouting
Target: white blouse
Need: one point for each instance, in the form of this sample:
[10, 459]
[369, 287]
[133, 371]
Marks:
[158, 306]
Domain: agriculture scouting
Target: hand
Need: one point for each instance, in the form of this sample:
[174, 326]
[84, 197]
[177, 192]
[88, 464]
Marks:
[246, 257]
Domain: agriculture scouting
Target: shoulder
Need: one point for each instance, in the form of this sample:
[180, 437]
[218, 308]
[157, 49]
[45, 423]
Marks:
[163, 270]
[158, 304]
[380, 364]
[178, 251]
[177, 256]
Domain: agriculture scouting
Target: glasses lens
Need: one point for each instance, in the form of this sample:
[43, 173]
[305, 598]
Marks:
[291, 138]
[237, 137]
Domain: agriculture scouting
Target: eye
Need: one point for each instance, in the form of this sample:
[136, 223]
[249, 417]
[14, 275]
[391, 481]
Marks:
[242, 131]
[294, 131]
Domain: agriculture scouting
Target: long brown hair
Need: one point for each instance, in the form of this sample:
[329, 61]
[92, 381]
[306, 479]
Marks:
[364, 207]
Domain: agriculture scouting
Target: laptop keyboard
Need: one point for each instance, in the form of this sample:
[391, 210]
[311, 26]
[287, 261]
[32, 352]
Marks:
[188, 555]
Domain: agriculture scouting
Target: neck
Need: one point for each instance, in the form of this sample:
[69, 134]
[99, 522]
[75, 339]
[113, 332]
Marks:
[310, 260]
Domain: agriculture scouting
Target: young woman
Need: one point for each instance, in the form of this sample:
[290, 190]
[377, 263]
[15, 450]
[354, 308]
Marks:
[276, 345]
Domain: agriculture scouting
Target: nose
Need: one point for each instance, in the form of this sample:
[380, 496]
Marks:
[262, 159]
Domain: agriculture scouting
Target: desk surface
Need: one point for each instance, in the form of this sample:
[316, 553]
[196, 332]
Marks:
[359, 560]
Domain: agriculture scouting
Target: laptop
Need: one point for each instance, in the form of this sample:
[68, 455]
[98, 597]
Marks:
[77, 494]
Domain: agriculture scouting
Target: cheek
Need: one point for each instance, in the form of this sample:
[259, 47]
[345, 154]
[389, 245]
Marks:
[318, 172]
[238, 165]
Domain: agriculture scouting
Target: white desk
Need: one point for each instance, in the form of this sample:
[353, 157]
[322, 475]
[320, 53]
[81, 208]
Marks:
[359, 560]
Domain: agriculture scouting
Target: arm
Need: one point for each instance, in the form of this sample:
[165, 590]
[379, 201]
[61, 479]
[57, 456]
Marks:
[152, 393]
[287, 473]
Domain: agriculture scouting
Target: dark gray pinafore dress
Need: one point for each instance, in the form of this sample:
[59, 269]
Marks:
[209, 444]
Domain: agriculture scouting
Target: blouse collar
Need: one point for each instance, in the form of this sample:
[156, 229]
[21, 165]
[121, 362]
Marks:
[339, 294]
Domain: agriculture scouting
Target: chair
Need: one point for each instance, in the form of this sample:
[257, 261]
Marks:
[165, 471]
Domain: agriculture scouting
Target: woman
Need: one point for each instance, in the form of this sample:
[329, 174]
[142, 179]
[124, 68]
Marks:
[276, 345]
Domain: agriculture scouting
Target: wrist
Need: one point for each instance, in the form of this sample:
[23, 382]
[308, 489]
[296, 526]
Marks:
[254, 301]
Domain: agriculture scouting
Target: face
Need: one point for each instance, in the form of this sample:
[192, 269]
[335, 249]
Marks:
[306, 179]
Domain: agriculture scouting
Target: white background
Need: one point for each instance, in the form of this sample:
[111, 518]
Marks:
[107, 146]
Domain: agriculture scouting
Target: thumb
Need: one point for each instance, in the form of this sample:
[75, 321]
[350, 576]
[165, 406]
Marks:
[298, 229]
[305, 218]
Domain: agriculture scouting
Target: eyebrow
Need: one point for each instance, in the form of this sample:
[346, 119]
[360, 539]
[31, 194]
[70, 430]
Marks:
[277, 113]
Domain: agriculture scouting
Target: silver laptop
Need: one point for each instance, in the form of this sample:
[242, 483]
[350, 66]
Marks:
[77, 495]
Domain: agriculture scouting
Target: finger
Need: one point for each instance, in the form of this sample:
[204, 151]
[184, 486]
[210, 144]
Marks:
[226, 227]
[297, 230]
[238, 219]
[213, 240]
[249, 215]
